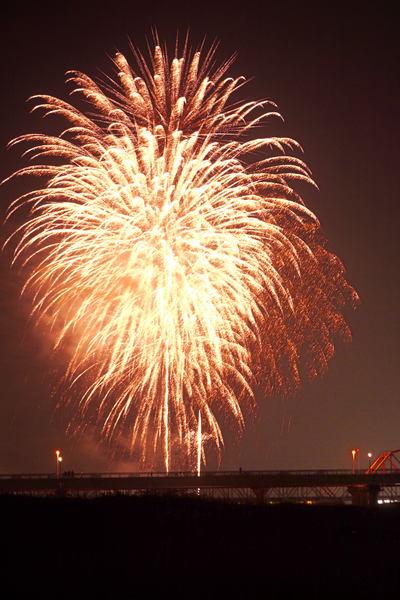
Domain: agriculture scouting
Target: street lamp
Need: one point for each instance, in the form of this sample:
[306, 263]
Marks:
[354, 454]
[59, 459]
[369, 458]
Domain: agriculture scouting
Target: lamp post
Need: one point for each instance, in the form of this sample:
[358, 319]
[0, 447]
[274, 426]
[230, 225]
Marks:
[354, 454]
[59, 459]
[369, 458]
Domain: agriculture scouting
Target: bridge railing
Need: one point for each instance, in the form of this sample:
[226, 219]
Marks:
[143, 474]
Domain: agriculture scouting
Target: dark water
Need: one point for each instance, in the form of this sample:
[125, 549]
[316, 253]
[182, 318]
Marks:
[112, 546]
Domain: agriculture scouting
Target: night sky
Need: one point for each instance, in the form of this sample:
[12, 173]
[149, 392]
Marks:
[334, 74]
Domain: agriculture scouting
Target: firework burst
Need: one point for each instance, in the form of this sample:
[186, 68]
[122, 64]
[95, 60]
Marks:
[184, 273]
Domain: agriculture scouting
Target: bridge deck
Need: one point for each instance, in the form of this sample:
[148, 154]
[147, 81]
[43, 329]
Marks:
[254, 480]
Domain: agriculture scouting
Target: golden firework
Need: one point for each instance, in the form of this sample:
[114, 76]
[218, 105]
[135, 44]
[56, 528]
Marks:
[183, 272]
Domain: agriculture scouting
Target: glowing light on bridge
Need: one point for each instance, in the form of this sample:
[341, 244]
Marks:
[171, 255]
[59, 460]
[354, 459]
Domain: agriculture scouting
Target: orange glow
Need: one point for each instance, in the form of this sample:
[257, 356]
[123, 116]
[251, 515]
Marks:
[183, 274]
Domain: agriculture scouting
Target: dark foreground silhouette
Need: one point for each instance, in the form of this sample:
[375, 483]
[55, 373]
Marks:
[149, 547]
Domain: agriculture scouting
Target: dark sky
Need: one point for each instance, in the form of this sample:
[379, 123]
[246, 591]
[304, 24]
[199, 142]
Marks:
[334, 73]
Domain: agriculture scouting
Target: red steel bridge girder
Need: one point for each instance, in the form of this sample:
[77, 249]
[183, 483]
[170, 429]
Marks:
[386, 462]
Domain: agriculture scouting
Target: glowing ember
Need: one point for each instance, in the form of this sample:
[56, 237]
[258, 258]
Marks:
[183, 274]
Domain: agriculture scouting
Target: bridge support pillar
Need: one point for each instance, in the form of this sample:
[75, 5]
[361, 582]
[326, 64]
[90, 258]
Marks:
[364, 495]
[260, 493]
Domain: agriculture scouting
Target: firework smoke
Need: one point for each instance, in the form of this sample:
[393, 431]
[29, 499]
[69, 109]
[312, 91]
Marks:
[184, 273]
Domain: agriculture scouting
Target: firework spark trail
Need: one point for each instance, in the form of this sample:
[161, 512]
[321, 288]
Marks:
[185, 274]
[199, 446]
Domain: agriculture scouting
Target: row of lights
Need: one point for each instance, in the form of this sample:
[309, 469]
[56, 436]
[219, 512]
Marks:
[355, 454]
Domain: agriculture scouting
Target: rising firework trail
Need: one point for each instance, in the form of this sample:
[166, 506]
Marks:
[199, 446]
[199, 449]
[168, 248]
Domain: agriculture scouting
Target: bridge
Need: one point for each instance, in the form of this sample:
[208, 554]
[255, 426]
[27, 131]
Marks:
[380, 483]
[360, 488]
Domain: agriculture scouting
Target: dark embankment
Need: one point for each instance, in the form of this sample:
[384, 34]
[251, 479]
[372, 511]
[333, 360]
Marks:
[115, 546]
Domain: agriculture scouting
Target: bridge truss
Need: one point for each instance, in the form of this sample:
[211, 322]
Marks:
[258, 486]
